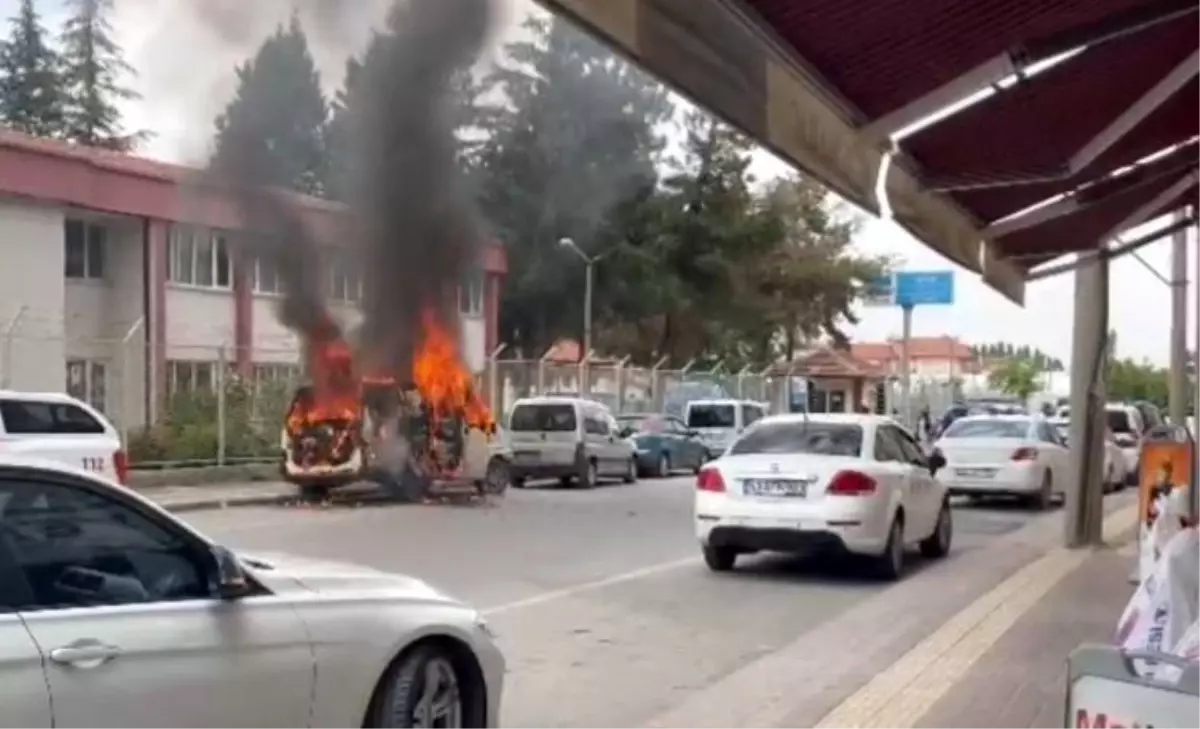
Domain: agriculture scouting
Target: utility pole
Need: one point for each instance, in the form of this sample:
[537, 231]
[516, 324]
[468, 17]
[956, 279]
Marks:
[1179, 285]
[589, 263]
[1084, 512]
[906, 367]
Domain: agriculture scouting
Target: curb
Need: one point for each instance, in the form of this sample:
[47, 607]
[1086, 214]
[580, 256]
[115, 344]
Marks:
[183, 507]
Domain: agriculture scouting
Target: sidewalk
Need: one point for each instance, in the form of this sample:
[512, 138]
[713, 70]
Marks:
[219, 496]
[1021, 680]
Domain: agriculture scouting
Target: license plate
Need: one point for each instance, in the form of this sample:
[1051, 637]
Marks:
[975, 472]
[526, 456]
[774, 487]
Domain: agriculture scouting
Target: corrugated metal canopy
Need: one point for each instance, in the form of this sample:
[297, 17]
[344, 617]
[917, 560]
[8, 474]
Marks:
[824, 83]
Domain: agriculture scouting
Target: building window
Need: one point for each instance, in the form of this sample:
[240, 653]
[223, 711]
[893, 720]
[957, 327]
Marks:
[87, 381]
[345, 279]
[84, 248]
[470, 294]
[273, 374]
[198, 257]
[266, 277]
[187, 377]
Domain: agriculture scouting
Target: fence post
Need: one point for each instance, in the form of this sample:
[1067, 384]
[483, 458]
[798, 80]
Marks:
[126, 415]
[10, 332]
[541, 371]
[656, 391]
[620, 376]
[741, 377]
[585, 387]
[494, 379]
[220, 383]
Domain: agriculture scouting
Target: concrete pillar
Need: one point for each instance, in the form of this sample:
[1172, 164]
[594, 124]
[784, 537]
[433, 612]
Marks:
[1179, 284]
[1084, 492]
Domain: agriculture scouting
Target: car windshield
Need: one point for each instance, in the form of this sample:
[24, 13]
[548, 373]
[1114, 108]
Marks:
[825, 439]
[988, 428]
[1118, 421]
[711, 416]
[542, 418]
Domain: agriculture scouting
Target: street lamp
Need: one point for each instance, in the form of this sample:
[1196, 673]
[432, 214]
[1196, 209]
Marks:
[589, 262]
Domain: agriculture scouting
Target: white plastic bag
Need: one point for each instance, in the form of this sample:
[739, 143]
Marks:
[1167, 510]
[1166, 603]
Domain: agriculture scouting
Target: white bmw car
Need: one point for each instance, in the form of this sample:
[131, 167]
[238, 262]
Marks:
[115, 613]
[793, 483]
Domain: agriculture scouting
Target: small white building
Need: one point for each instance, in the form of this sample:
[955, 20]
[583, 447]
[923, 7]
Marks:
[119, 286]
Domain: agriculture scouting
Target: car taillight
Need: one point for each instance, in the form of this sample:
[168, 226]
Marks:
[121, 465]
[851, 483]
[709, 479]
[1025, 454]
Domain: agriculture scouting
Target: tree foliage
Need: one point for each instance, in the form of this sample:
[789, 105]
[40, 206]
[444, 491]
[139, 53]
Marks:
[92, 71]
[31, 94]
[1017, 377]
[1129, 381]
[279, 95]
[1000, 351]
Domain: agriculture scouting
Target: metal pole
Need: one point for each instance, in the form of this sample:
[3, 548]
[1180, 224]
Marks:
[1083, 519]
[1179, 286]
[494, 379]
[656, 399]
[620, 375]
[126, 414]
[1194, 501]
[221, 407]
[587, 309]
[741, 377]
[9, 332]
[906, 368]
[541, 371]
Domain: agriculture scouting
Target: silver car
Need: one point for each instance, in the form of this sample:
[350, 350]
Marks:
[115, 613]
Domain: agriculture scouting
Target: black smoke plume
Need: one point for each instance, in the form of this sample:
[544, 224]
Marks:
[411, 221]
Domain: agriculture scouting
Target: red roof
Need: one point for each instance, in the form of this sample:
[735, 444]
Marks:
[944, 347]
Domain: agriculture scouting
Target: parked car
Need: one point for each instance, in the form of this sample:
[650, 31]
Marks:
[114, 612]
[568, 438]
[791, 483]
[719, 422]
[663, 443]
[58, 427]
[1009, 455]
[1115, 470]
[1127, 426]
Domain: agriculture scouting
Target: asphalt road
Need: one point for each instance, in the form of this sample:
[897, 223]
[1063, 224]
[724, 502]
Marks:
[603, 607]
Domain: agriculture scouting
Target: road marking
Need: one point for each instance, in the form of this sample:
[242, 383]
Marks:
[908, 689]
[552, 595]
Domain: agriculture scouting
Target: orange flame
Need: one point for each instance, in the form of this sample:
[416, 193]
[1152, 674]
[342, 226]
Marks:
[444, 383]
[336, 392]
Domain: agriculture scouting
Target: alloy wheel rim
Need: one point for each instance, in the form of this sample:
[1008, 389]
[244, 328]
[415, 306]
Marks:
[440, 702]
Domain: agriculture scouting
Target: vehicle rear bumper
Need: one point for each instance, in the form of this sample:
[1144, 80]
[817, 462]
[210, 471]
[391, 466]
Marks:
[777, 535]
[543, 470]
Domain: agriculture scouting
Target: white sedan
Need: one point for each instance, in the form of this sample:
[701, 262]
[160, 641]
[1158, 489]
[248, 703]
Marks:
[1013, 455]
[1116, 471]
[793, 483]
[115, 613]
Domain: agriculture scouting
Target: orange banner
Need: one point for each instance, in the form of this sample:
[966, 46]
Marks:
[1162, 462]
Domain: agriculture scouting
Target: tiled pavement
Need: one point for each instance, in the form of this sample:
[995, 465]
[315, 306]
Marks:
[1021, 680]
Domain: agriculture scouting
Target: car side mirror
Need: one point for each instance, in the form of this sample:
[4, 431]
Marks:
[232, 581]
[937, 461]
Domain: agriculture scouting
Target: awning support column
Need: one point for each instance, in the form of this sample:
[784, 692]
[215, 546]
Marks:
[1084, 491]
[1179, 286]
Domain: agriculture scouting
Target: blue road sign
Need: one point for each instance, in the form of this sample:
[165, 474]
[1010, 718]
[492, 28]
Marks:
[924, 287]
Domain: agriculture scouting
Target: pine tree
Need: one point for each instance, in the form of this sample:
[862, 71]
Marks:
[92, 70]
[279, 106]
[31, 99]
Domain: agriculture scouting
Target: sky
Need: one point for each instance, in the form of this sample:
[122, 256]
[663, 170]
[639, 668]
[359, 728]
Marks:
[184, 74]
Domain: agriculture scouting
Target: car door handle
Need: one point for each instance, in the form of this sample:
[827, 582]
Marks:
[85, 653]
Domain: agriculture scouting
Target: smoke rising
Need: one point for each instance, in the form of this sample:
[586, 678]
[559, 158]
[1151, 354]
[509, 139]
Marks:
[412, 223]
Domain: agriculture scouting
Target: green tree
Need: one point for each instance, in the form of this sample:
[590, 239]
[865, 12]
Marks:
[574, 138]
[279, 104]
[31, 94]
[1129, 380]
[1016, 377]
[92, 70]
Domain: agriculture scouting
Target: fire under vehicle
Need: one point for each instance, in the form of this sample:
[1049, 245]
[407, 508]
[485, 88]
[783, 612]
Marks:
[413, 437]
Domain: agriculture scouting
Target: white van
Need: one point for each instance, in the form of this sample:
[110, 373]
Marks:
[568, 438]
[720, 422]
[58, 427]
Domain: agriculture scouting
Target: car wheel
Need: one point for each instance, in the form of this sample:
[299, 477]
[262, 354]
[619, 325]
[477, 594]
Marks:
[497, 478]
[719, 559]
[630, 471]
[314, 492]
[1041, 500]
[938, 544]
[662, 469]
[425, 689]
[589, 476]
[890, 564]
